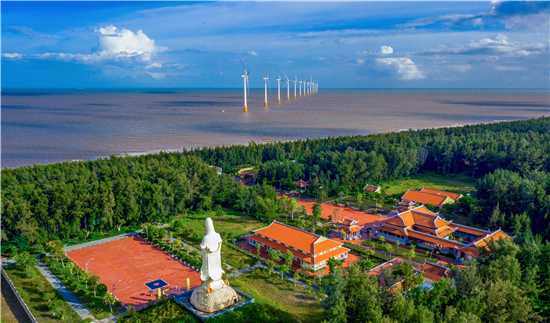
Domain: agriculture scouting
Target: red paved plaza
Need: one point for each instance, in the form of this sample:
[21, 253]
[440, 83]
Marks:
[134, 262]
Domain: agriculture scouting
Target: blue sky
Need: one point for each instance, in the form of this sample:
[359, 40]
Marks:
[341, 44]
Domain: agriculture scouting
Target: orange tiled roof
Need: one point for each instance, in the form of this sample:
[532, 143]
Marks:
[348, 222]
[454, 196]
[434, 271]
[351, 229]
[469, 230]
[393, 229]
[371, 188]
[435, 240]
[424, 209]
[470, 249]
[424, 230]
[331, 254]
[279, 246]
[444, 231]
[301, 240]
[497, 235]
[396, 220]
[406, 203]
[424, 198]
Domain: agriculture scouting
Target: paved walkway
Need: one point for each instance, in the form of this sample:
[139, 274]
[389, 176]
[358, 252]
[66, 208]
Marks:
[78, 307]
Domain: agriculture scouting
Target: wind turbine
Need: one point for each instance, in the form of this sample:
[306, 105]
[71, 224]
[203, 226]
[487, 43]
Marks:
[307, 88]
[287, 87]
[295, 81]
[300, 85]
[246, 85]
[278, 86]
[266, 78]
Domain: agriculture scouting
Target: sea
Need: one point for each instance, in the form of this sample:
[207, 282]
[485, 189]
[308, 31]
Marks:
[41, 126]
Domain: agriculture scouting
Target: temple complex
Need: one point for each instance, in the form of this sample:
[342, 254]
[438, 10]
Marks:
[429, 230]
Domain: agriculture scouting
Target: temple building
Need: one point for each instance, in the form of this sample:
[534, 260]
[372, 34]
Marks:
[434, 272]
[454, 196]
[372, 188]
[306, 247]
[424, 198]
[351, 229]
[428, 229]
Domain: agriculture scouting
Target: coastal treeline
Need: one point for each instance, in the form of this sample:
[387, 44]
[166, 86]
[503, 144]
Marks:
[70, 200]
[512, 157]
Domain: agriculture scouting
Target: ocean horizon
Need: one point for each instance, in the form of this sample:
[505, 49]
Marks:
[42, 126]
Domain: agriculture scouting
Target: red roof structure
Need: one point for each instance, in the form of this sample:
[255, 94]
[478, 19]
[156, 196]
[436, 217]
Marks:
[426, 198]
[422, 226]
[372, 188]
[301, 184]
[306, 246]
[454, 196]
[435, 272]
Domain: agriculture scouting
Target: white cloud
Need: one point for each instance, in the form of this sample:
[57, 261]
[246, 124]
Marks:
[360, 61]
[500, 45]
[386, 50]
[12, 55]
[405, 66]
[115, 45]
[509, 68]
[319, 59]
[253, 53]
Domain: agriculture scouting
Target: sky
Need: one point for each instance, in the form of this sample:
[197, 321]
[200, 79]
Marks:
[339, 44]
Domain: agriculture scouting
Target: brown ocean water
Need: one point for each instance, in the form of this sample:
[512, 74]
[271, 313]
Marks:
[45, 126]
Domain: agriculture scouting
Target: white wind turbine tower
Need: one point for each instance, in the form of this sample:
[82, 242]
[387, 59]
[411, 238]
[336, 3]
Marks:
[300, 85]
[246, 85]
[287, 87]
[310, 85]
[307, 87]
[278, 86]
[266, 78]
[295, 81]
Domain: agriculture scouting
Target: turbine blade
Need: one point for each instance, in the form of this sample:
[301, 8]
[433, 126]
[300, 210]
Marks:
[285, 75]
[243, 66]
[278, 71]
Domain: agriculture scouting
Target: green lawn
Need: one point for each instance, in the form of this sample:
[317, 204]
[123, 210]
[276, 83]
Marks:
[458, 183]
[236, 258]
[304, 307]
[33, 296]
[400, 251]
[231, 224]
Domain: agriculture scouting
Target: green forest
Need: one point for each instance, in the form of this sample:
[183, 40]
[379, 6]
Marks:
[71, 200]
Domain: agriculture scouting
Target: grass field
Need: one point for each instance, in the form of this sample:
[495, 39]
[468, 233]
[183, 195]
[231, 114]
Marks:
[236, 258]
[32, 295]
[231, 224]
[259, 284]
[458, 183]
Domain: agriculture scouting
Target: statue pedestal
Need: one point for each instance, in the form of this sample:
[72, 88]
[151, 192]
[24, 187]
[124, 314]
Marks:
[213, 296]
[184, 300]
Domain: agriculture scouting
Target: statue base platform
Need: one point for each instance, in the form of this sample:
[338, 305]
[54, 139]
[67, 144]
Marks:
[213, 296]
[184, 300]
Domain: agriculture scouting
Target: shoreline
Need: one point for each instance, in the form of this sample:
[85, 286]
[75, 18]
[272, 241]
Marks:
[157, 151]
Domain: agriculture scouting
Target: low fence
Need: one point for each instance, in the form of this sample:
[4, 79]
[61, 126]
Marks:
[19, 299]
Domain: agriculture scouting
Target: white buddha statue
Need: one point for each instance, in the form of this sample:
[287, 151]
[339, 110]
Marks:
[214, 294]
